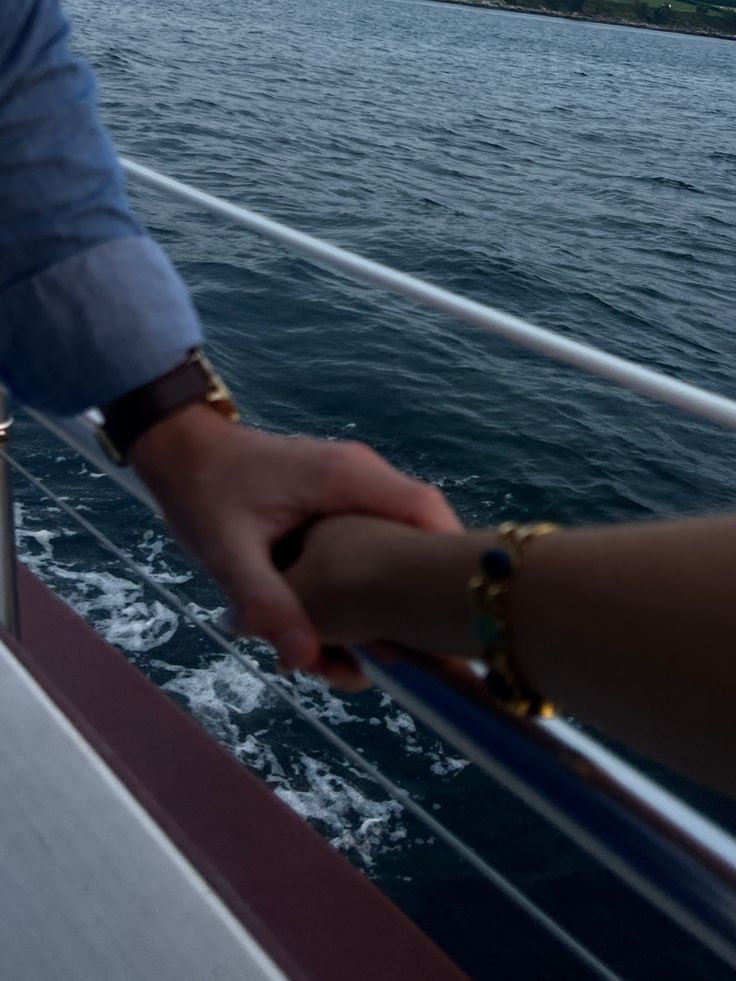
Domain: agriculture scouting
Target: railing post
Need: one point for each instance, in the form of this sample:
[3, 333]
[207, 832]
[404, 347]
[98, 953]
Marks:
[9, 612]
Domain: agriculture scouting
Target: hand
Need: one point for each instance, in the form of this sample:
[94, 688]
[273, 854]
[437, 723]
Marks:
[364, 579]
[341, 580]
[349, 578]
[229, 493]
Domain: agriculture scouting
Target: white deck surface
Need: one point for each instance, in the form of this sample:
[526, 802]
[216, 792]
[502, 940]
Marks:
[90, 888]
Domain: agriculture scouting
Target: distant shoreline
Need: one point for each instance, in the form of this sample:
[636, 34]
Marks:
[592, 18]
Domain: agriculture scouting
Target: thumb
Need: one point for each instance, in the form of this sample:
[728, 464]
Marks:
[265, 606]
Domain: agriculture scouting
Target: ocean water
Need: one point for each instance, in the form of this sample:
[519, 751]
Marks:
[581, 175]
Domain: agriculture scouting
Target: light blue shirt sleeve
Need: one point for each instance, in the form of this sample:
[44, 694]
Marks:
[90, 307]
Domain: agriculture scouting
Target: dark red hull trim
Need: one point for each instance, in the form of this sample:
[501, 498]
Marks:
[316, 915]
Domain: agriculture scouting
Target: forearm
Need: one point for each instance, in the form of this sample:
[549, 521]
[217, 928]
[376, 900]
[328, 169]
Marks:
[90, 308]
[61, 189]
[632, 629]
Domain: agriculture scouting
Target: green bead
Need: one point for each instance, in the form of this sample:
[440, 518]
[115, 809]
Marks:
[486, 630]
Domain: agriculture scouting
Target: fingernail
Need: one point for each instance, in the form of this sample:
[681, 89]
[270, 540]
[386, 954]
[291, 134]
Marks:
[293, 648]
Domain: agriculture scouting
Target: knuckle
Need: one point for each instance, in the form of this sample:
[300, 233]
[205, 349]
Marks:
[430, 496]
[331, 467]
[432, 492]
[355, 448]
[339, 459]
[352, 454]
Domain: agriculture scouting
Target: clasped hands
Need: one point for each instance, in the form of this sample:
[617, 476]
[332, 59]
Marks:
[610, 621]
[230, 493]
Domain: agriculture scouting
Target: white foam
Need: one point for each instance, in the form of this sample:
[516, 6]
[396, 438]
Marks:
[400, 723]
[234, 706]
[357, 823]
[322, 702]
[153, 561]
[220, 695]
[114, 604]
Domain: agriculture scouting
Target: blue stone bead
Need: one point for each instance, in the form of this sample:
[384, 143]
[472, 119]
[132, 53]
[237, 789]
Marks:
[496, 564]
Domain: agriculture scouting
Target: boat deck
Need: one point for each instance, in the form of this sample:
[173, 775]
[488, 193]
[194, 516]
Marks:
[133, 846]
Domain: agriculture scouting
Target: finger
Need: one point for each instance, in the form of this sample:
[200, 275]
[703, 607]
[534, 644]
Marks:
[358, 479]
[266, 607]
[341, 669]
[345, 679]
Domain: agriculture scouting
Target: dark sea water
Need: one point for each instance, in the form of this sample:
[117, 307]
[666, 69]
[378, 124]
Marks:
[581, 175]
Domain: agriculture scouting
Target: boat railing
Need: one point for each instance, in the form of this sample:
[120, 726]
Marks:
[676, 858]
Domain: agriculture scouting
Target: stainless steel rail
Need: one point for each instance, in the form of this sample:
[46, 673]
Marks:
[626, 374]
[682, 863]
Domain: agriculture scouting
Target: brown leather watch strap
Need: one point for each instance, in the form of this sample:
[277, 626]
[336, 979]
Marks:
[130, 416]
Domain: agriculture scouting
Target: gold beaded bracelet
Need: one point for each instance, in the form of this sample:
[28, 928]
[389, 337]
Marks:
[491, 588]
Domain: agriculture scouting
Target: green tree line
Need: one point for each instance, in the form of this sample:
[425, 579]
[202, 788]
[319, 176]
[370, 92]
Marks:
[698, 16]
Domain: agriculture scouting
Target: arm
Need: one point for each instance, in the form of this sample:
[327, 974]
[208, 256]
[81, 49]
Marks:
[91, 310]
[231, 493]
[630, 628]
[74, 333]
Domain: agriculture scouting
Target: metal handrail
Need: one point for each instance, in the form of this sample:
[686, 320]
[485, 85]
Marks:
[681, 862]
[626, 374]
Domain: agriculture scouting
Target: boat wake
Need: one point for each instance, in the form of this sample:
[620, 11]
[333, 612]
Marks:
[348, 809]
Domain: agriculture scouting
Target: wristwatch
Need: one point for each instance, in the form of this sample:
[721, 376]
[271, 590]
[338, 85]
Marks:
[128, 418]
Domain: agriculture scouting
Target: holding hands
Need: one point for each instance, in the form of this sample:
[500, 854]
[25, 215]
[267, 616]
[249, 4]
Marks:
[230, 493]
[604, 621]
[630, 628]
[364, 579]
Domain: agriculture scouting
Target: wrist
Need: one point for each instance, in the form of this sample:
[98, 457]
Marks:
[353, 577]
[185, 438]
[423, 592]
[426, 592]
[193, 381]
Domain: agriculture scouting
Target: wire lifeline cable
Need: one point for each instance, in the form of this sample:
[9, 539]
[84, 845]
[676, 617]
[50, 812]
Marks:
[677, 816]
[542, 919]
[627, 374]
[78, 435]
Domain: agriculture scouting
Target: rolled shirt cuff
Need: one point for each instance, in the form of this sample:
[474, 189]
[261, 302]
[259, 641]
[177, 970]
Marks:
[94, 326]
